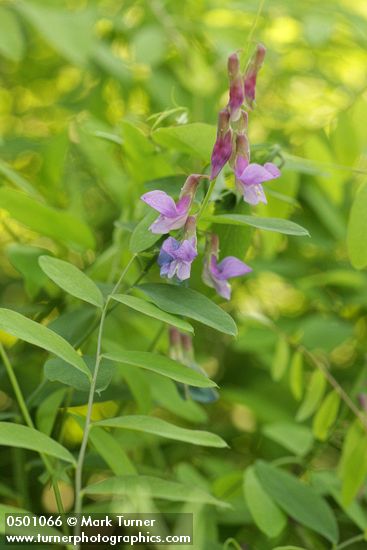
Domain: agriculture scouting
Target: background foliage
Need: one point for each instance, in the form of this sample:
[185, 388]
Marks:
[97, 99]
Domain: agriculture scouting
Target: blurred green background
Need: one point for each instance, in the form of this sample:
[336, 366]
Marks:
[94, 99]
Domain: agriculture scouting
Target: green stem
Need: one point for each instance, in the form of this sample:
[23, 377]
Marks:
[28, 420]
[206, 200]
[358, 538]
[83, 447]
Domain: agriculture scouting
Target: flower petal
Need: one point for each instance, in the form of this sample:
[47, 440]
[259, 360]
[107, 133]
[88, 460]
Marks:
[223, 288]
[187, 252]
[232, 267]
[241, 165]
[183, 205]
[273, 169]
[160, 201]
[253, 194]
[183, 270]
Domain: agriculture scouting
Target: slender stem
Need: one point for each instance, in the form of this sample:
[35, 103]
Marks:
[83, 447]
[345, 544]
[206, 200]
[28, 420]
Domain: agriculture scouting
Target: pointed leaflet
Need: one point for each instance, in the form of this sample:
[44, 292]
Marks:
[268, 224]
[68, 277]
[265, 513]
[192, 304]
[298, 500]
[16, 324]
[161, 365]
[152, 311]
[281, 359]
[112, 452]
[157, 426]
[326, 416]
[154, 486]
[15, 435]
[141, 237]
[314, 393]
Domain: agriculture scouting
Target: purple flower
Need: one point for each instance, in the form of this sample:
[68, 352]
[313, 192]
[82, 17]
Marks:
[251, 74]
[175, 258]
[172, 215]
[249, 178]
[236, 87]
[222, 149]
[216, 274]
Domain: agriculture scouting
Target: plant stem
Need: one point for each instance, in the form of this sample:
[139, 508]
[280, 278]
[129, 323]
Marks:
[358, 538]
[83, 447]
[206, 200]
[28, 420]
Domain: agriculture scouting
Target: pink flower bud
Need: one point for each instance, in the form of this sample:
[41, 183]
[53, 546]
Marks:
[252, 70]
[236, 86]
[222, 149]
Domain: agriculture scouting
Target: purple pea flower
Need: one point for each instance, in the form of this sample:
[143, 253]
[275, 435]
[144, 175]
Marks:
[236, 87]
[250, 176]
[251, 74]
[175, 257]
[222, 149]
[216, 274]
[172, 215]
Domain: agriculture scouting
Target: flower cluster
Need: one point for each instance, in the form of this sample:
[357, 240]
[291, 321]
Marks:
[232, 142]
[232, 145]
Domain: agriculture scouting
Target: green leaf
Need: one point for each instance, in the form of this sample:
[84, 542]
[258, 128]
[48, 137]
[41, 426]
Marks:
[111, 452]
[281, 359]
[296, 375]
[353, 463]
[154, 486]
[141, 237]
[297, 439]
[11, 36]
[68, 277]
[157, 426]
[47, 411]
[25, 260]
[189, 303]
[326, 416]
[314, 393]
[197, 138]
[17, 325]
[289, 548]
[357, 229]
[268, 224]
[265, 513]
[161, 365]
[56, 370]
[15, 435]
[18, 180]
[57, 224]
[298, 500]
[152, 311]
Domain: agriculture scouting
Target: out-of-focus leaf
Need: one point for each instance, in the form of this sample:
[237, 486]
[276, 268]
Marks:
[57, 224]
[296, 380]
[357, 229]
[155, 487]
[149, 45]
[157, 426]
[195, 138]
[353, 462]
[58, 370]
[297, 439]
[111, 452]
[21, 183]
[192, 304]
[280, 360]
[169, 184]
[298, 500]
[16, 324]
[265, 513]
[142, 238]
[11, 36]
[315, 391]
[15, 435]
[47, 411]
[151, 310]
[68, 277]
[70, 33]
[25, 260]
[161, 365]
[326, 416]
[268, 224]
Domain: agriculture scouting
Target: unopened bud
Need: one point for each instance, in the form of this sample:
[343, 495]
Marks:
[236, 87]
[233, 65]
[222, 149]
[252, 70]
[190, 228]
